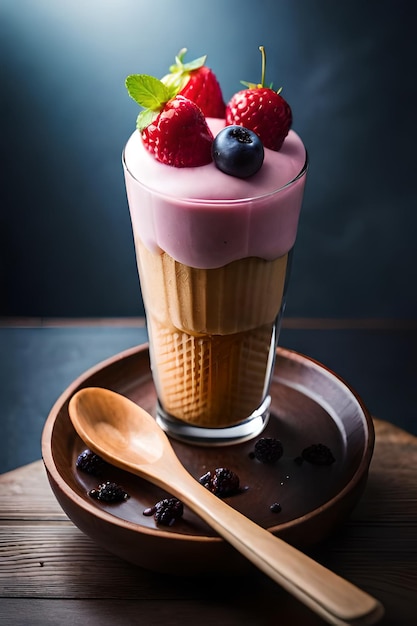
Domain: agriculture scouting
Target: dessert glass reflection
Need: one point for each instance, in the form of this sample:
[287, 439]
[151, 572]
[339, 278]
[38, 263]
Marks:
[214, 257]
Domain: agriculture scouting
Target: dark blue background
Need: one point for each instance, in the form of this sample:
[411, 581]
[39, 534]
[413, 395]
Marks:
[348, 69]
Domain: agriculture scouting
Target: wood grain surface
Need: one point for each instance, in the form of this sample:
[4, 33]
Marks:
[51, 574]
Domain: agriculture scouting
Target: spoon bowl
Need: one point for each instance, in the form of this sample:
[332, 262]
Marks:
[123, 431]
[128, 437]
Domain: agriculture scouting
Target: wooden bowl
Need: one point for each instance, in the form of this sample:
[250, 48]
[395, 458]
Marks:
[310, 404]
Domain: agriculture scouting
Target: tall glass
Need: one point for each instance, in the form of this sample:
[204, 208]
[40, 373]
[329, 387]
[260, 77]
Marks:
[213, 331]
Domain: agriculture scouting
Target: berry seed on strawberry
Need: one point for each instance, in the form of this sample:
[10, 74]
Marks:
[262, 110]
[173, 128]
[197, 82]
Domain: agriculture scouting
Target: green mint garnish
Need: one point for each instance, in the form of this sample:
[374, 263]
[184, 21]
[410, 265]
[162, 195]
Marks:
[151, 94]
[147, 91]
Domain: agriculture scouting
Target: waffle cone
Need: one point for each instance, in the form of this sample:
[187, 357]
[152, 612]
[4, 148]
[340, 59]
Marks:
[210, 380]
[210, 334]
[239, 296]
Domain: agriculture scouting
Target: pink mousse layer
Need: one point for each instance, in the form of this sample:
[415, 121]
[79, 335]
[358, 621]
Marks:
[204, 218]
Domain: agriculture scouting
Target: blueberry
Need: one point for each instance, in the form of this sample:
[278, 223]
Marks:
[238, 151]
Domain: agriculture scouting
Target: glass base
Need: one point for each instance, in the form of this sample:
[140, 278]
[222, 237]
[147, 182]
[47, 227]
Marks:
[199, 435]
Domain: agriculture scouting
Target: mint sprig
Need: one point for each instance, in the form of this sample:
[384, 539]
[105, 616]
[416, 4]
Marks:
[147, 91]
[151, 94]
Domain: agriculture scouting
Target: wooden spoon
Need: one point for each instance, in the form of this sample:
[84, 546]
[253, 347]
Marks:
[128, 437]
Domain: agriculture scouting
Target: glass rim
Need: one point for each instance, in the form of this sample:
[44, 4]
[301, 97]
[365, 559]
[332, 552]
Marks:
[218, 201]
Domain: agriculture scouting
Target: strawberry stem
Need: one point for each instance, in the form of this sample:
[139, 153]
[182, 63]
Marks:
[262, 49]
[263, 75]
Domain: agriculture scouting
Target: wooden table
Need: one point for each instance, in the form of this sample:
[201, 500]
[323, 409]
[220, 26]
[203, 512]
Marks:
[51, 574]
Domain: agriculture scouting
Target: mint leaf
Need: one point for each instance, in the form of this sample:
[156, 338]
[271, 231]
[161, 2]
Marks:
[173, 82]
[147, 91]
[145, 118]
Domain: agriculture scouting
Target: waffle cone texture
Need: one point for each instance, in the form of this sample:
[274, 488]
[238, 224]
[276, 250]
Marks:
[211, 334]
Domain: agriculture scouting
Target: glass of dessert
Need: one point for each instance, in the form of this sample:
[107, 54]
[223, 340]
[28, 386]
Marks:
[214, 193]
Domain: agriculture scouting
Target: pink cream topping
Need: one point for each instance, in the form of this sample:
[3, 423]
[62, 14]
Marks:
[205, 218]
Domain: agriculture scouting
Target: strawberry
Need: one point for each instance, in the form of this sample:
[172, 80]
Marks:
[173, 128]
[180, 135]
[262, 110]
[196, 81]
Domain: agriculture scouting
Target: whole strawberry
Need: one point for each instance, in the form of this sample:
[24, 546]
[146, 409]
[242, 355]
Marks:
[196, 81]
[173, 128]
[262, 110]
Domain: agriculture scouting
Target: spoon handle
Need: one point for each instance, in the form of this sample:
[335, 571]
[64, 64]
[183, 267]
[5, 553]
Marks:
[332, 597]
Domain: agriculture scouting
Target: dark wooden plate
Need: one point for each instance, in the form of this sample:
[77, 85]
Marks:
[310, 404]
